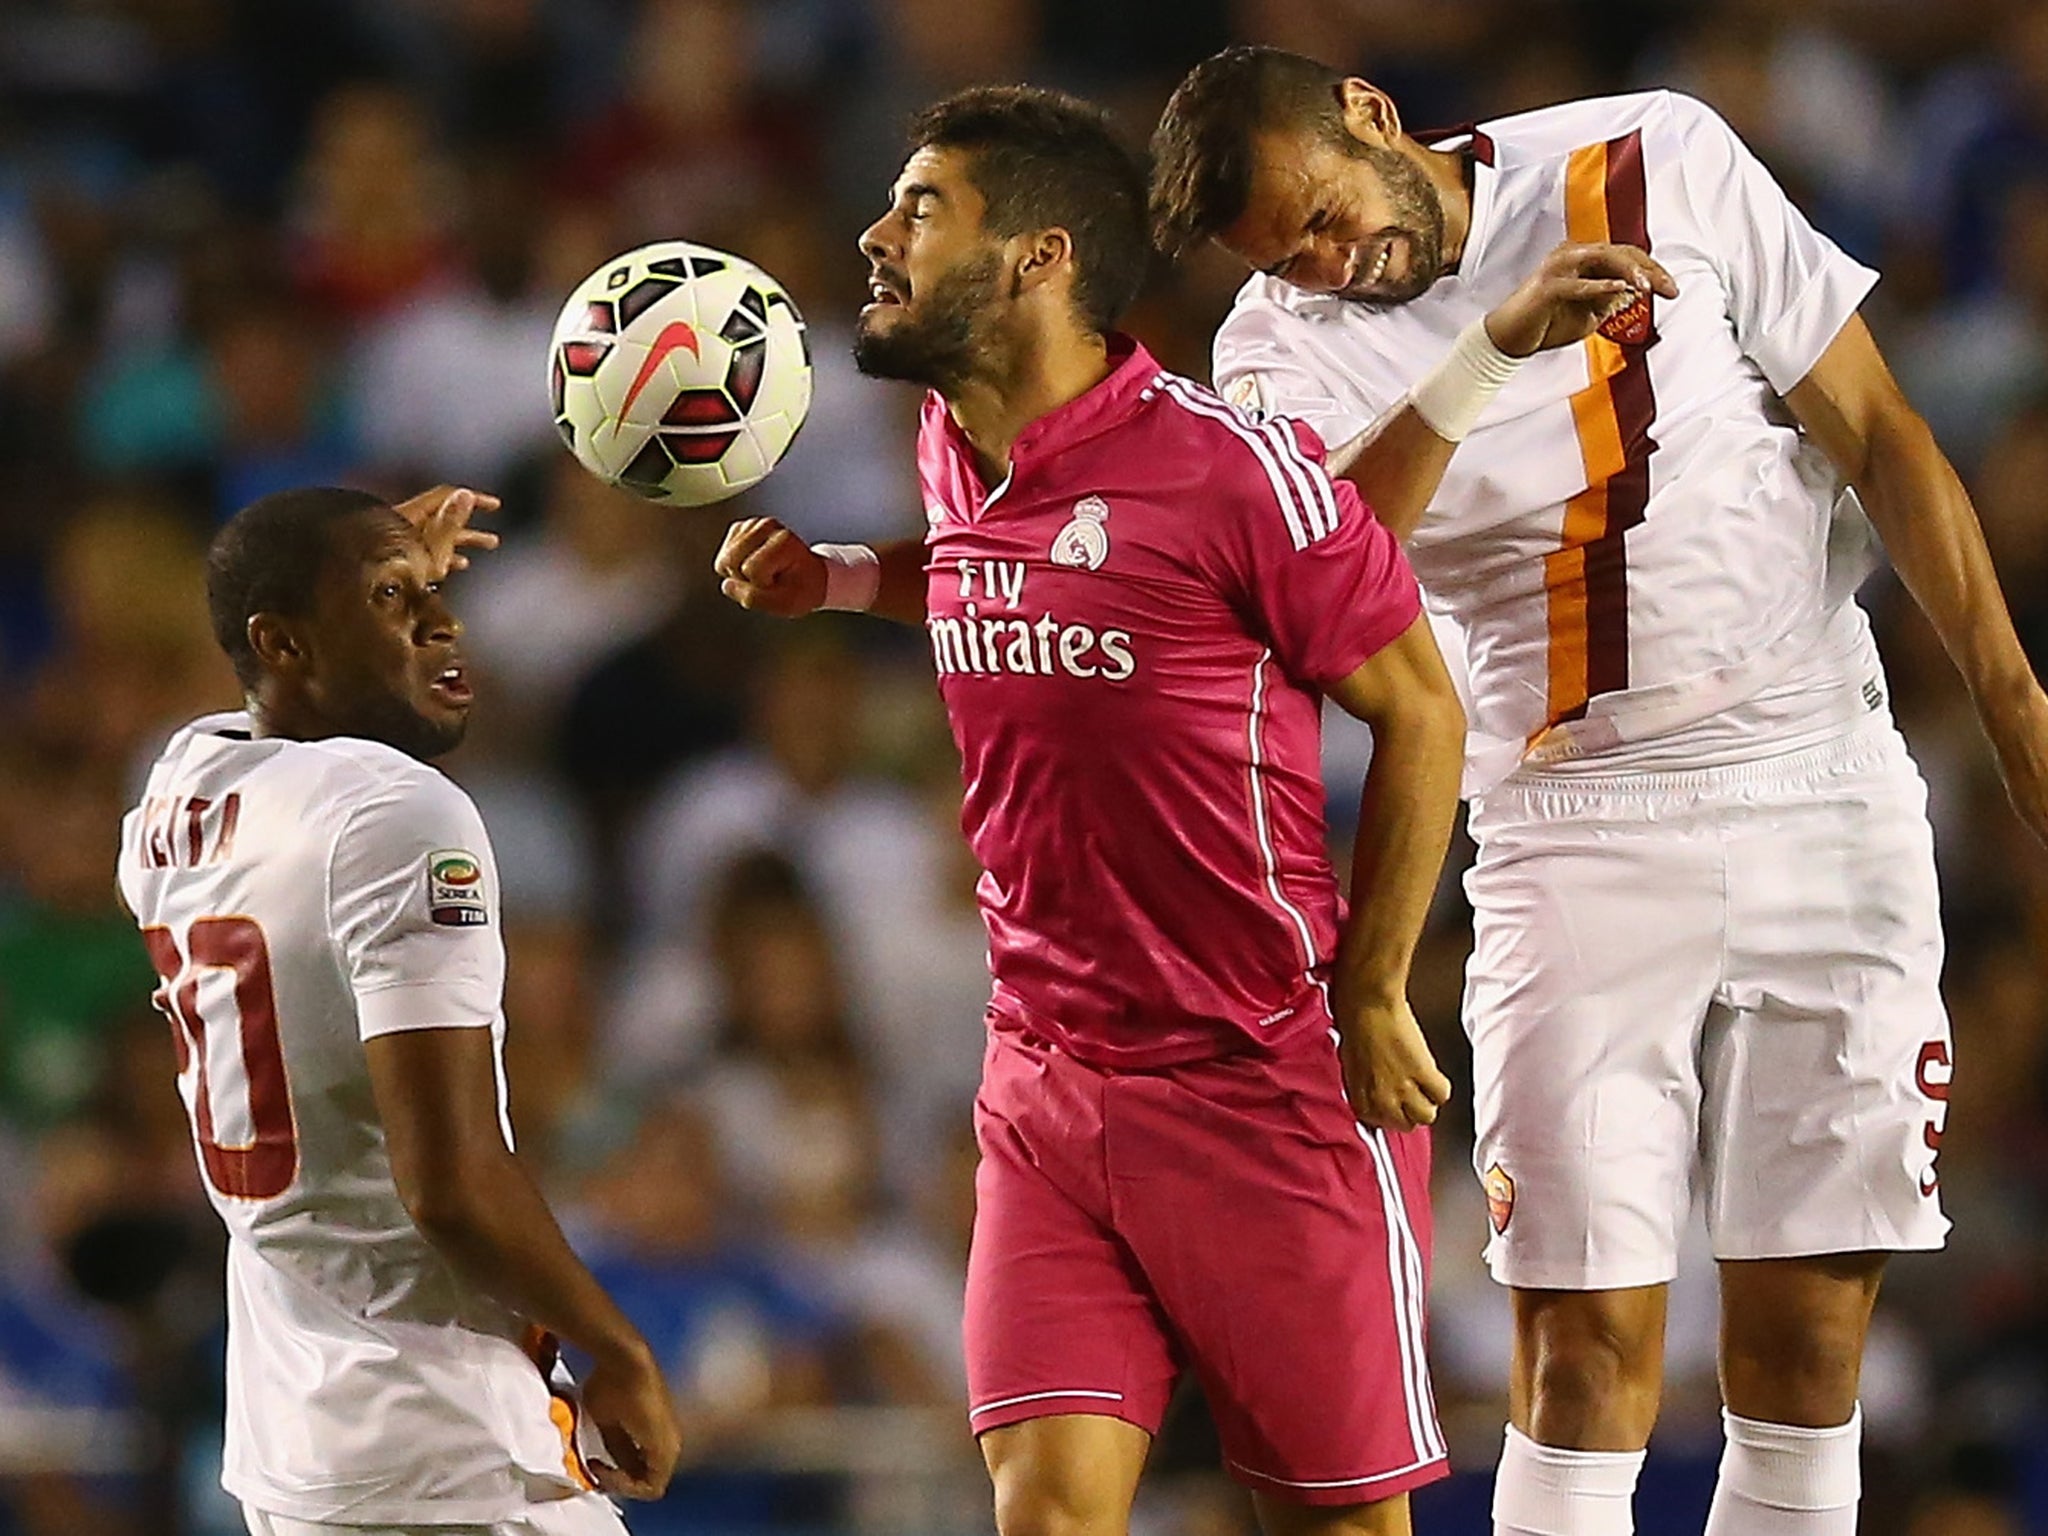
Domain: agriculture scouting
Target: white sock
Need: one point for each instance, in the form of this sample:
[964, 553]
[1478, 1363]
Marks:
[1780, 1480]
[1543, 1491]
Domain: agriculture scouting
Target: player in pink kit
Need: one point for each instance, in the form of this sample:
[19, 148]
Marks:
[1137, 600]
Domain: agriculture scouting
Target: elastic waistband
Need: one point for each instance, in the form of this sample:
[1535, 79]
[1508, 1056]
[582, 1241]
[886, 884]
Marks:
[1871, 743]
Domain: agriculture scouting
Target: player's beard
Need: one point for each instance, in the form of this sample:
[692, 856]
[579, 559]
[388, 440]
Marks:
[1418, 216]
[393, 720]
[939, 339]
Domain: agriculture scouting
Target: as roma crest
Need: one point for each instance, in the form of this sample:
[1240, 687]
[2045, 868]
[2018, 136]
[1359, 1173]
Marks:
[1629, 327]
[1500, 1197]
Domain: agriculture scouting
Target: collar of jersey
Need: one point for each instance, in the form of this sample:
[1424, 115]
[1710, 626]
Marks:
[1479, 224]
[1131, 370]
[1485, 179]
[228, 725]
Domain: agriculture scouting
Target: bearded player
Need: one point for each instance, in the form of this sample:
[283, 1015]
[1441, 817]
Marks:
[1137, 600]
[1706, 946]
[322, 907]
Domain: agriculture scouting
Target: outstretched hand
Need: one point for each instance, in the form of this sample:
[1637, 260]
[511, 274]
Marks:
[763, 566]
[442, 516]
[1576, 290]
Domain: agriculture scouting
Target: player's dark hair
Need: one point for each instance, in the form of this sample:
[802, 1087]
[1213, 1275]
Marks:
[267, 558]
[1202, 150]
[1046, 160]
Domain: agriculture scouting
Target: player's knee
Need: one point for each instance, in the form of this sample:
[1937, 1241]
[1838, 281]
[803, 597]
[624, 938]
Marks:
[1786, 1374]
[1793, 1334]
[1587, 1368]
[1596, 1374]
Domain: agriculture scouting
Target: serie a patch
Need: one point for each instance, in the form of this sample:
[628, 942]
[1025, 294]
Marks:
[455, 889]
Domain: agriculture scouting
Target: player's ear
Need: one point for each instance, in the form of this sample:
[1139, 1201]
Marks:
[276, 642]
[1045, 254]
[1370, 115]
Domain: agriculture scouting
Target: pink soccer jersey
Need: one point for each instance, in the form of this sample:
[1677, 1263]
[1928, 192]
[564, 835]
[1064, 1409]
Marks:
[1132, 633]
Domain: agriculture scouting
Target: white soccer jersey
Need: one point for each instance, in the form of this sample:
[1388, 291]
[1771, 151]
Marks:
[299, 898]
[1633, 542]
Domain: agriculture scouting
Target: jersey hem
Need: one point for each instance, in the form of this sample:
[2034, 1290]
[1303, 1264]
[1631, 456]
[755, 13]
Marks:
[1731, 1251]
[1381, 637]
[1870, 742]
[426, 1004]
[1815, 293]
[1343, 1491]
[1050, 1405]
[415, 1511]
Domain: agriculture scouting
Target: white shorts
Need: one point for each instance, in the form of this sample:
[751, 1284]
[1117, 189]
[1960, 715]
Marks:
[1726, 981]
[585, 1514]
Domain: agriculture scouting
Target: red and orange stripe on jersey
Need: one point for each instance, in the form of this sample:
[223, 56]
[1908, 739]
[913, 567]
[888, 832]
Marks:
[1587, 577]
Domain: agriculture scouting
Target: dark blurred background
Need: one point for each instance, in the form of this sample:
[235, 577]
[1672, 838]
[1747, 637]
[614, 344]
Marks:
[247, 244]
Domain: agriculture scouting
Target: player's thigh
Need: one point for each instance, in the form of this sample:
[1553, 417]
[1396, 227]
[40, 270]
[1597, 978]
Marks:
[1065, 1474]
[1388, 1517]
[1290, 1250]
[1060, 1318]
[1597, 942]
[1826, 1083]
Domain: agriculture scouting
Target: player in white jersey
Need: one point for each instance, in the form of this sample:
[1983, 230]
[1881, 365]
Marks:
[1707, 949]
[322, 907]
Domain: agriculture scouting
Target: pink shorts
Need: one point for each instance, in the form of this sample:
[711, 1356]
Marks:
[1229, 1216]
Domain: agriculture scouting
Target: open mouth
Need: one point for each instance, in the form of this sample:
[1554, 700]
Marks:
[882, 293]
[1375, 264]
[451, 685]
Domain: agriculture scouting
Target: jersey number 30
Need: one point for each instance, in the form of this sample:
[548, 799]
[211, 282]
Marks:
[266, 1164]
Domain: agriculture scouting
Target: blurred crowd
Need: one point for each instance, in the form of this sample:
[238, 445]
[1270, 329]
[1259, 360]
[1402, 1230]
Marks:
[246, 244]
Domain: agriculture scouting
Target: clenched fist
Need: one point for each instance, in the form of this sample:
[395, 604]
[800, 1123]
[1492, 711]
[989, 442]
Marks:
[763, 566]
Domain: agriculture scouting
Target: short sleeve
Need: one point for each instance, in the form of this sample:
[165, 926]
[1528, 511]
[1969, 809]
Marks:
[1790, 288]
[1316, 575]
[1265, 362]
[413, 900]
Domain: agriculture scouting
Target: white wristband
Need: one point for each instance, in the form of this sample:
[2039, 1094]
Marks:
[1450, 399]
[853, 576]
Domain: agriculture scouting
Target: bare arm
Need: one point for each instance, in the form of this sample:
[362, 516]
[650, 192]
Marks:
[1854, 409]
[1397, 464]
[1404, 826]
[1399, 460]
[473, 1200]
[762, 565]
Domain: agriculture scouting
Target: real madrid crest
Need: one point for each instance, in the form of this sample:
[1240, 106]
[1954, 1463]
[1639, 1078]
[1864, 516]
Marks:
[1084, 542]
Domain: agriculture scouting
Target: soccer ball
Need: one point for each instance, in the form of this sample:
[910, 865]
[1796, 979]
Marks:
[679, 372]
